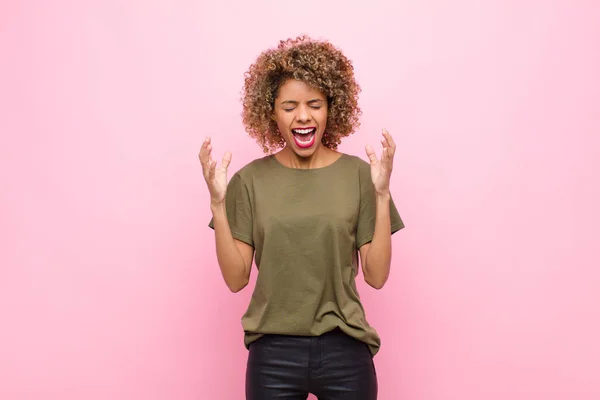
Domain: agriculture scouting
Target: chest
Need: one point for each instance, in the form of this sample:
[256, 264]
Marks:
[307, 205]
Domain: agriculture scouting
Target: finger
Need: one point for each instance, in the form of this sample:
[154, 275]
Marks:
[384, 143]
[371, 154]
[209, 149]
[205, 143]
[211, 170]
[226, 160]
[208, 170]
[389, 139]
[390, 151]
[204, 150]
[388, 142]
[385, 155]
[208, 160]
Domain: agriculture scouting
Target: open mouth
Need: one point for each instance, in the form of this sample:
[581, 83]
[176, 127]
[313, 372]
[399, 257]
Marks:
[304, 137]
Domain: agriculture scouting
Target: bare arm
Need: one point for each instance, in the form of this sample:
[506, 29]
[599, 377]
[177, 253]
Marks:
[234, 256]
[376, 257]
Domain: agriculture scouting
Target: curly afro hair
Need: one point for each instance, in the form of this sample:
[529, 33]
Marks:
[318, 64]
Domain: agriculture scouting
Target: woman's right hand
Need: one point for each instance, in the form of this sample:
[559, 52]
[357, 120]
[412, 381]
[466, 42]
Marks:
[215, 176]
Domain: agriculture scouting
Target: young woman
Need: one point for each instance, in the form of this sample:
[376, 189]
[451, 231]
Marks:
[306, 214]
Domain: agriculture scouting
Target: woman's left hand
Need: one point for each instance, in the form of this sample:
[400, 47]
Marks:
[381, 170]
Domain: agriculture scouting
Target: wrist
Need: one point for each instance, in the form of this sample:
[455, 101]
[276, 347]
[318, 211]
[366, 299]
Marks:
[217, 206]
[383, 196]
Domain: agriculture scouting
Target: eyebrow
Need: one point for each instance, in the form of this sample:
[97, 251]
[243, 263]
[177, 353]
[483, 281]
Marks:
[296, 102]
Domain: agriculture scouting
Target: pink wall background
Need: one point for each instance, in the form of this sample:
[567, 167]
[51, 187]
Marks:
[109, 287]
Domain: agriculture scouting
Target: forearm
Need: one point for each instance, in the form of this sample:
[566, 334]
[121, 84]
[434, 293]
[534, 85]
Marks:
[379, 255]
[233, 267]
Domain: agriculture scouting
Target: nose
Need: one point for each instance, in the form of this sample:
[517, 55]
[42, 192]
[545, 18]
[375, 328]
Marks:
[303, 115]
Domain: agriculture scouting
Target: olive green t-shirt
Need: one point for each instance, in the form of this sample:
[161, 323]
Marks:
[306, 226]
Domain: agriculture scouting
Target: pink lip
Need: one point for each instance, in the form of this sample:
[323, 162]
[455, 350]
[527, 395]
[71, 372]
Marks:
[305, 127]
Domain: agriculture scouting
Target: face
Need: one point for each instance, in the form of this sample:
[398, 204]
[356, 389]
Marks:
[301, 116]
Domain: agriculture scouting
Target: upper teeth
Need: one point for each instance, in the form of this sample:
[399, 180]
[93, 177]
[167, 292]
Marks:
[303, 131]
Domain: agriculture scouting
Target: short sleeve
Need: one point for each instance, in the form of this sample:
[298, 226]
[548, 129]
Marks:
[239, 210]
[366, 216]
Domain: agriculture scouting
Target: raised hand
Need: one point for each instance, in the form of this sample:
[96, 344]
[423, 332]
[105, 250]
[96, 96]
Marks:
[381, 170]
[215, 176]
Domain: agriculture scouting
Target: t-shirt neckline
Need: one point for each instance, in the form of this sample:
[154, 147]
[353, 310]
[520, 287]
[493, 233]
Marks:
[280, 164]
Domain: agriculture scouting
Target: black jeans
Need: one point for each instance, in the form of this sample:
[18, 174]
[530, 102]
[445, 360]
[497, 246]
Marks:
[333, 366]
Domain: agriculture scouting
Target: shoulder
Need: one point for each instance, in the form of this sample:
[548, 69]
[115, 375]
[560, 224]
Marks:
[354, 160]
[256, 167]
[356, 163]
[358, 169]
